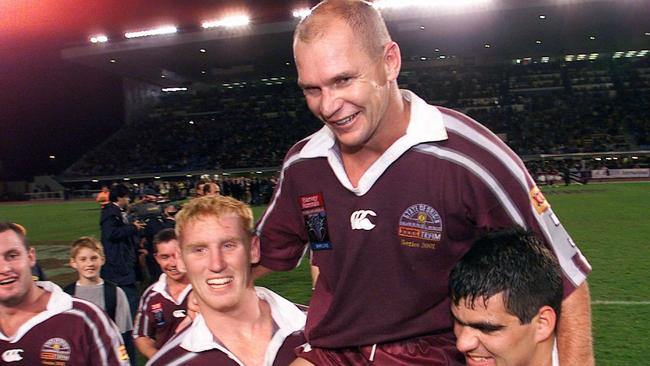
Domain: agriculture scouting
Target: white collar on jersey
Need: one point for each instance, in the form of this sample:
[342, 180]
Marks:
[59, 302]
[425, 125]
[287, 317]
[161, 287]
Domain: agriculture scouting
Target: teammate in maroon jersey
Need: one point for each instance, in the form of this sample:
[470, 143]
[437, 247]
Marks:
[389, 194]
[42, 325]
[238, 324]
[163, 305]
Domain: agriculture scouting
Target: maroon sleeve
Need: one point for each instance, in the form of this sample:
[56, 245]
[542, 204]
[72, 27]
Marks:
[281, 230]
[142, 326]
[104, 340]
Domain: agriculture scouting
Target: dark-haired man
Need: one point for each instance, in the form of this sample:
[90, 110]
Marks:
[390, 193]
[42, 325]
[120, 244]
[506, 297]
[163, 306]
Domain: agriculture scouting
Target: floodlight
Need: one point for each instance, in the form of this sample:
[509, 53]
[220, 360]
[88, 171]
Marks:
[593, 56]
[568, 58]
[172, 90]
[228, 22]
[630, 54]
[152, 32]
[433, 4]
[545, 59]
[618, 54]
[95, 181]
[581, 57]
[642, 53]
[100, 38]
[542, 16]
[301, 13]
[52, 157]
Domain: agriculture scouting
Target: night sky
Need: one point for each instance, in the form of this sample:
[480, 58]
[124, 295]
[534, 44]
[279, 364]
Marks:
[52, 107]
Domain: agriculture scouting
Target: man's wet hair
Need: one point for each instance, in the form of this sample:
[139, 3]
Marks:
[513, 262]
[18, 229]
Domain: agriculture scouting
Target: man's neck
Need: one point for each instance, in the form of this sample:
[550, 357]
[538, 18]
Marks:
[174, 287]
[12, 317]
[245, 331]
[84, 281]
[543, 354]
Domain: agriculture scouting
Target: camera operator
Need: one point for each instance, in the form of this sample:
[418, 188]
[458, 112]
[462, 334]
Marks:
[164, 220]
[120, 241]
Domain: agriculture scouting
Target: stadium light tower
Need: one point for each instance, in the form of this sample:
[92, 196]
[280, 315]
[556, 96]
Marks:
[228, 22]
[431, 4]
[152, 32]
[100, 38]
[301, 13]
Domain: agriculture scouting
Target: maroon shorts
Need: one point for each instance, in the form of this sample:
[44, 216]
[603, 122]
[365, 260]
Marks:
[430, 350]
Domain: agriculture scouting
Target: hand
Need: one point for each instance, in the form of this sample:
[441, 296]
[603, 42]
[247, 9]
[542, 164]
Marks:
[139, 224]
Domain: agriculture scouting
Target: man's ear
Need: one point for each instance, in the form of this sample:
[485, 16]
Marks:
[73, 263]
[392, 60]
[544, 323]
[255, 249]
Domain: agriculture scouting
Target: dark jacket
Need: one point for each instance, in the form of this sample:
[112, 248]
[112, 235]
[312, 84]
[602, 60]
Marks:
[120, 246]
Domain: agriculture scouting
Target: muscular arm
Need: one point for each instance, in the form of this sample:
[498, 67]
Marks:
[146, 346]
[575, 344]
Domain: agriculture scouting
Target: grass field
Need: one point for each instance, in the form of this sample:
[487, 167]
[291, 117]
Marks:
[610, 223]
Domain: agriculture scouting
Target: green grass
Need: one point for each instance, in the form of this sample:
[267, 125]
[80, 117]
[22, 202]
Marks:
[610, 223]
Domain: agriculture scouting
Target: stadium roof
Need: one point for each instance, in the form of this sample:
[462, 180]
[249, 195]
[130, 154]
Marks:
[499, 31]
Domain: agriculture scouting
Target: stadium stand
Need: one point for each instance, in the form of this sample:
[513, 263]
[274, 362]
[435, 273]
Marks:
[538, 108]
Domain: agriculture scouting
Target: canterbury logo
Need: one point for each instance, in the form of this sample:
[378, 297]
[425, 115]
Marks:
[12, 355]
[179, 313]
[360, 221]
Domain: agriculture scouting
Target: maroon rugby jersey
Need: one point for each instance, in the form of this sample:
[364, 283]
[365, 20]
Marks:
[196, 346]
[70, 332]
[386, 247]
[158, 313]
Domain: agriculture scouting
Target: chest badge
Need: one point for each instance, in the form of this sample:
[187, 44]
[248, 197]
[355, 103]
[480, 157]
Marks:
[422, 223]
[314, 217]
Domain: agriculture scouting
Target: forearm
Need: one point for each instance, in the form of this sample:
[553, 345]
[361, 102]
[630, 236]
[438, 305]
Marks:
[146, 346]
[575, 342]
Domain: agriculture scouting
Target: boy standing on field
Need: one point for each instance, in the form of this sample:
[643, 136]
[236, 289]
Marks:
[87, 258]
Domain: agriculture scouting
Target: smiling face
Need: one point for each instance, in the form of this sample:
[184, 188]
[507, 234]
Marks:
[15, 269]
[344, 86]
[218, 253]
[87, 262]
[490, 336]
[167, 258]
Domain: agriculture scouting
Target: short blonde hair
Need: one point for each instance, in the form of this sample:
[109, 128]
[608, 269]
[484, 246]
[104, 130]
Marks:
[214, 206]
[86, 242]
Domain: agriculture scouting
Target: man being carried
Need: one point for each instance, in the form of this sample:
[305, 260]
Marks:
[390, 194]
[238, 324]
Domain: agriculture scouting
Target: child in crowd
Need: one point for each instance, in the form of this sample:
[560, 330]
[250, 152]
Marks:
[87, 257]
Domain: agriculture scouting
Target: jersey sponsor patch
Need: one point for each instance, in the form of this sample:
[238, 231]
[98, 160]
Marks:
[12, 355]
[422, 223]
[315, 220]
[55, 351]
[538, 200]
